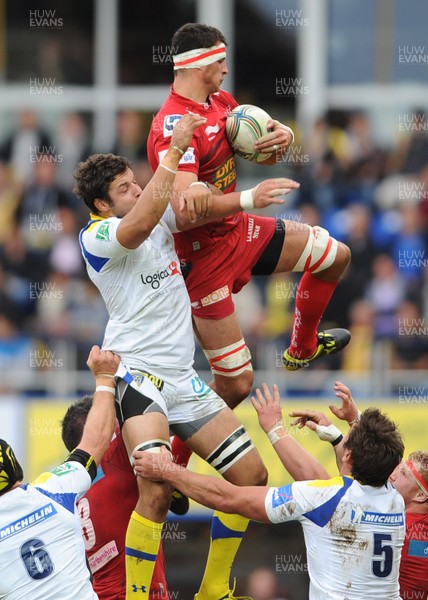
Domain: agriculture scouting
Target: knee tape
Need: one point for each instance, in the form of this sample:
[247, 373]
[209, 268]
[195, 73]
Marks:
[231, 360]
[232, 449]
[154, 446]
[319, 253]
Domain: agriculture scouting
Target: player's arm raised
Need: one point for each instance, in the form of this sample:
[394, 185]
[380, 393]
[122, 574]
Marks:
[349, 410]
[137, 225]
[100, 423]
[299, 463]
[270, 191]
[326, 431]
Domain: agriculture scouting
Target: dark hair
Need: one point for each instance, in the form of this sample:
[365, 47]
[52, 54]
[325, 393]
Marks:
[74, 421]
[195, 35]
[376, 448]
[94, 176]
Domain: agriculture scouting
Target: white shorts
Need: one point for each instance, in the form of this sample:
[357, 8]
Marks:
[190, 402]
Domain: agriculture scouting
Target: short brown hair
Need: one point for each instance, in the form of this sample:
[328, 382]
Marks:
[195, 35]
[376, 448]
[94, 176]
[74, 421]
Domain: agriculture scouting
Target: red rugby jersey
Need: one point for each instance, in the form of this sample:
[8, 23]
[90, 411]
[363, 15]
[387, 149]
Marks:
[209, 156]
[104, 512]
[414, 558]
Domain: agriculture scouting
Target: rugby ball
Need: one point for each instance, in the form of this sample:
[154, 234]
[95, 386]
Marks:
[244, 125]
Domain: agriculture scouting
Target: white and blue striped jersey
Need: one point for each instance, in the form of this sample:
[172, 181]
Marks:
[353, 534]
[42, 554]
[144, 291]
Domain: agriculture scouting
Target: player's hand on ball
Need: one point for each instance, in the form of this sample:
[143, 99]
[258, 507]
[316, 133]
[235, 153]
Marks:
[268, 192]
[183, 130]
[278, 140]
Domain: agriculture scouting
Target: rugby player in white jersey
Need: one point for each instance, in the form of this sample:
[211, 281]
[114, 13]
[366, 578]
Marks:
[129, 252]
[410, 479]
[353, 524]
[42, 555]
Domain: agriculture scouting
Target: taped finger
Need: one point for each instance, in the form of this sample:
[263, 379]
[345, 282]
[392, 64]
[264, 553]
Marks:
[279, 192]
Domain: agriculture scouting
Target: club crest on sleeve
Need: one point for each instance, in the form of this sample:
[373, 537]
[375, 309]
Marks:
[103, 232]
[64, 469]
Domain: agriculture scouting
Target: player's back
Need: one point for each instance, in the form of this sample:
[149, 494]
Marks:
[353, 534]
[354, 550]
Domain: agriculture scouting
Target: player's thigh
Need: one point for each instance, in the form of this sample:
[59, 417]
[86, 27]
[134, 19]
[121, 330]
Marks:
[144, 428]
[295, 239]
[225, 440]
[213, 334]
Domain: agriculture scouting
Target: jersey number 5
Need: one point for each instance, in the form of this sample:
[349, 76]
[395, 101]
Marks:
[382, 566]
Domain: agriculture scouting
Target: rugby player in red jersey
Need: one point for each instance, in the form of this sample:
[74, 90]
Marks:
[105, 511]
[411, 480]
[220, 257]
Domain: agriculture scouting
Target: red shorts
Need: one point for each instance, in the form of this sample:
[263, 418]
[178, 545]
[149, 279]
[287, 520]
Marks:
[224, 268]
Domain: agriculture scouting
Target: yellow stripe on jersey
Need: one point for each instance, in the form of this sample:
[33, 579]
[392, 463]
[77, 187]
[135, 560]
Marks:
[42, 478]
[96, 221]
[328, 482]
[95, 217]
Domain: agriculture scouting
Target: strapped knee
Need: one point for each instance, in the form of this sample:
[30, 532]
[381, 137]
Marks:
[231, 360]
[154, 446]
[319, 253]
[232, 449]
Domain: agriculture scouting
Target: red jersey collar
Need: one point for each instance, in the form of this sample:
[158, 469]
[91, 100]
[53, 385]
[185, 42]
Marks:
[191, 104]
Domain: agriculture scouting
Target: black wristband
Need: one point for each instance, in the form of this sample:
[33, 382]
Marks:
[85, 459]
[337, 440]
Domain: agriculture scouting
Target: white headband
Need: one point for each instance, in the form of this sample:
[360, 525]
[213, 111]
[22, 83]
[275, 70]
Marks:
[199, 57]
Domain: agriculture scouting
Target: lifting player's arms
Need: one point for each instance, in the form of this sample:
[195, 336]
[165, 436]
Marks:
[353, 524]
[41, 550]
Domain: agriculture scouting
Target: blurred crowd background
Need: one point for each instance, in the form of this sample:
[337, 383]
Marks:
[350, 77]
[370, 196]
[364, 177]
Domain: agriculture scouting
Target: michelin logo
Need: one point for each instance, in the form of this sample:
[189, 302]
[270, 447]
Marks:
[33, 518]
[391, 519]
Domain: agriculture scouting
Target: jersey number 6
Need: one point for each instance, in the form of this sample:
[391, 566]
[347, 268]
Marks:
[36, 559]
